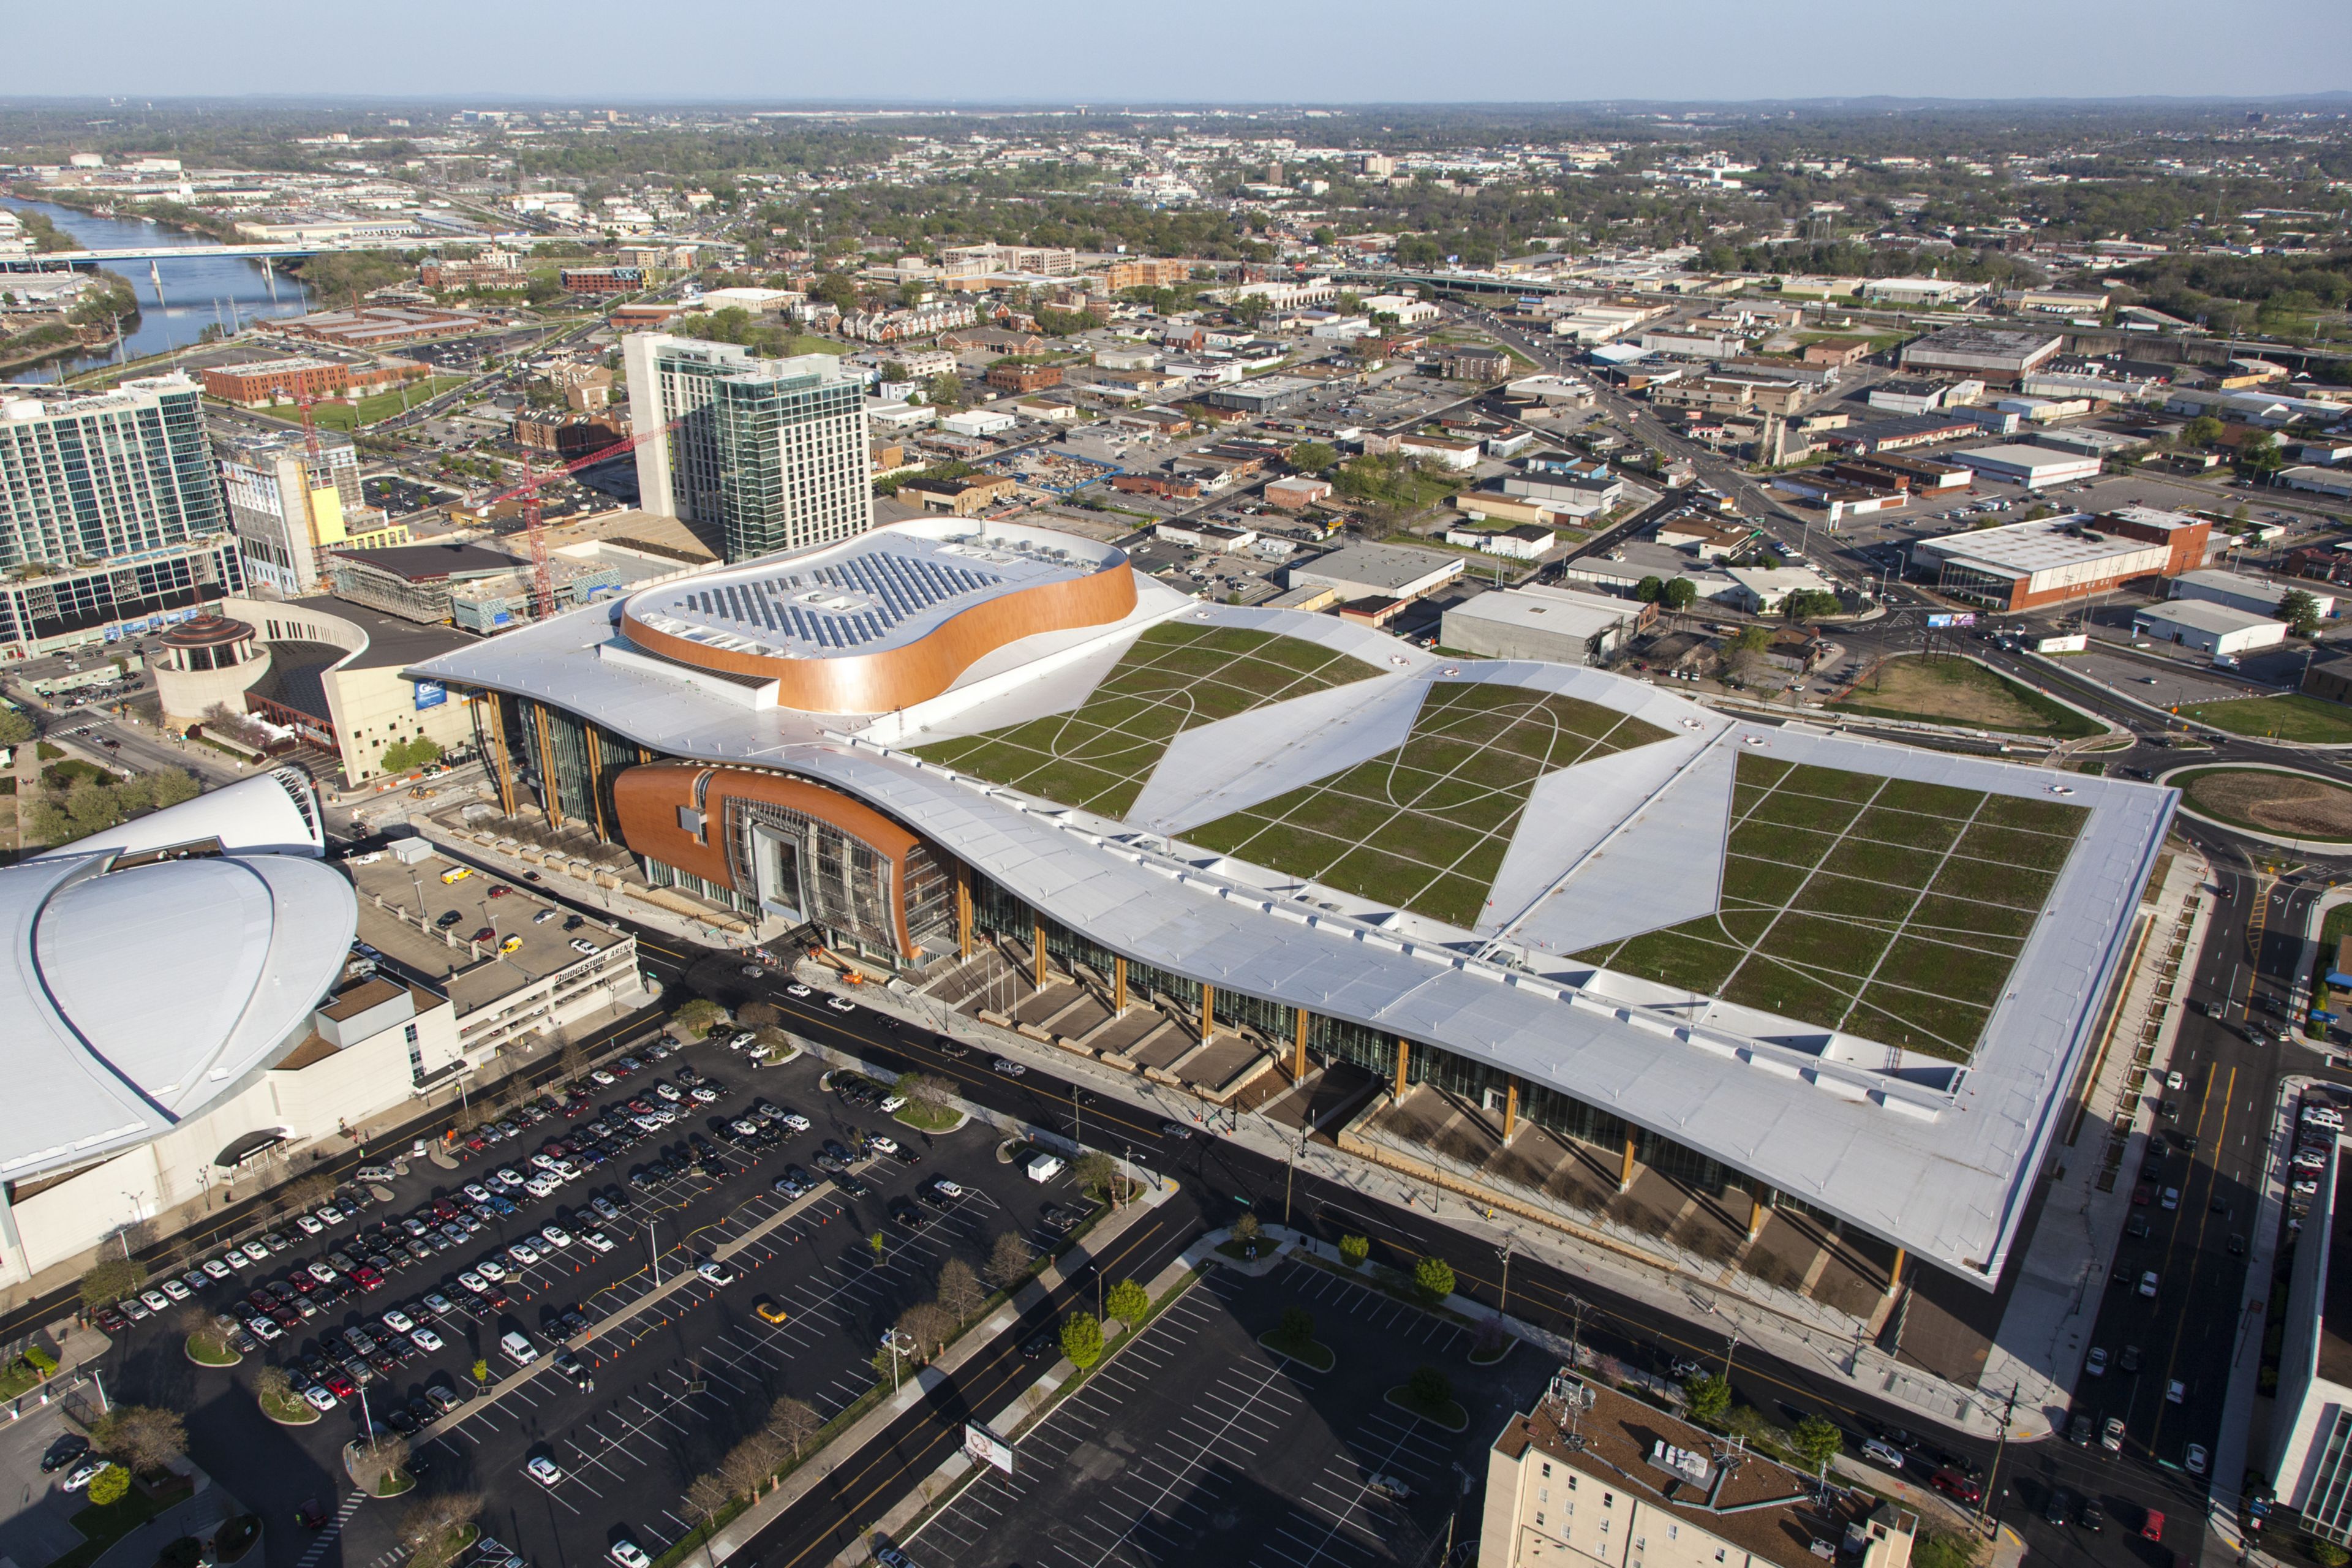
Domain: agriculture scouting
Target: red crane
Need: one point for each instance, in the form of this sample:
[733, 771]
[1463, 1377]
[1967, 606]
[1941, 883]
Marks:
[542, 585]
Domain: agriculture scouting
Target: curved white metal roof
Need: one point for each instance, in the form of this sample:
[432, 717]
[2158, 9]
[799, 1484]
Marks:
[135, 997]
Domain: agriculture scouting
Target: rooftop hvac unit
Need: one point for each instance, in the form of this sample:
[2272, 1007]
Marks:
[1691, 1465]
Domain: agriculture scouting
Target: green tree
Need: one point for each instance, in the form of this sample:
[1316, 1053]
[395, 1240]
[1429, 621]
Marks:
[894, 369]
[1649, 590]
[837, 289]
[480, 1370]
[110, 1281]
[1127, 1302]
[1709, 1397]
[1817, 1441]
[1680, 593]
[1096, 1174]
[1429, 1387]
[1354, 1249]
[111, 1486]
[1082, 1339]
[1433, 1276]
[1311, 457]
[15, 726]
[2327, 1553]
[945, 391]
[1296, 1330]
[2300, 610]
[2201, 431]
[1810, 603]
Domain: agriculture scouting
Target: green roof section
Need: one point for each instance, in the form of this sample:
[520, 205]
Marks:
[1880, 906]
[1177, 677]
[1424, 826]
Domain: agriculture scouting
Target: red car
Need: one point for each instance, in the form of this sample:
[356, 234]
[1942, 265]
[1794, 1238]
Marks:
[488, 933]
[498, 1300]
[499, 890]
[285, 1318]
[2151, 1528]
[367, 1278]
[1956, 1486]
[341, 1387]
[112, 1321]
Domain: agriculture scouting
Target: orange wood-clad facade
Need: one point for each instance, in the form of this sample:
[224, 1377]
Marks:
[646, 801]
[897, 677]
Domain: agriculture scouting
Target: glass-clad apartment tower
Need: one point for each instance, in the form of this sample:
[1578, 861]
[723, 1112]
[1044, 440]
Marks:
[774, 452]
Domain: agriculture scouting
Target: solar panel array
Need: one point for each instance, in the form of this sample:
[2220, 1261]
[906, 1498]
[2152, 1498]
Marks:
[884, 588]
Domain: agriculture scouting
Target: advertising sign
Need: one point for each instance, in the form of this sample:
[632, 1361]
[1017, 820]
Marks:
[430, 694]
[985, 1447]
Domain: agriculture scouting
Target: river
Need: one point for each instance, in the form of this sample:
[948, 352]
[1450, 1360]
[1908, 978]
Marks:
[196, 292]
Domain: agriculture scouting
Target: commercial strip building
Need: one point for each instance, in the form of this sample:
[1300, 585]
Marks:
[2035, 467]
[2208, 628]
[2024, 565]
[377, 326]
[1592, 1478]
[869, 761]
[200, 1001]
[2258, 595]
[1990, 354]
[1555, 625]
[774, 452]
[1376, 571]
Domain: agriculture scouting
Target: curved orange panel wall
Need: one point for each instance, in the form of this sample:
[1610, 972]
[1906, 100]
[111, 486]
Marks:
[902, 677]
[646, 799]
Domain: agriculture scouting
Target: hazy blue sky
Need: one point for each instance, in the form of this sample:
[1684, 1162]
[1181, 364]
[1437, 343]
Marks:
[1329, 51]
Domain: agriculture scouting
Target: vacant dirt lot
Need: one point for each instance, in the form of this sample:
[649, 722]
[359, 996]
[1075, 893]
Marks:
[2275, 803]
[1956, 691]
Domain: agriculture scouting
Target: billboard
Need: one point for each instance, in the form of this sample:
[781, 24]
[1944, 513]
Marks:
[1966, 618]
[430, 694]
[985, 1447]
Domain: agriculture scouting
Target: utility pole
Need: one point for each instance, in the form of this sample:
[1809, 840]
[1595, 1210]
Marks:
[1992, 1476]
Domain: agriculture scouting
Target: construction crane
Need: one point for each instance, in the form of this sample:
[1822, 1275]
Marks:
[542, 582]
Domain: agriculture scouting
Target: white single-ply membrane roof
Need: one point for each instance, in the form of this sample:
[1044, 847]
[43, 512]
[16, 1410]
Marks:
[137, 998]
[882, 589]
[1937, 1157]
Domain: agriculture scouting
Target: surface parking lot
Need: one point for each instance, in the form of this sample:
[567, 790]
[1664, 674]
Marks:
[673, 1374]
[1196, 1444]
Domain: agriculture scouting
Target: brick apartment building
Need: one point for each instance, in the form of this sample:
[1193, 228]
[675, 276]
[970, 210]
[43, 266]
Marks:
[1025, 377]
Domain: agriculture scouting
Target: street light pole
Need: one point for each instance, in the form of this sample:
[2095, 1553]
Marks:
[1503, 1301]
[2000, 1444]
[652, 1250]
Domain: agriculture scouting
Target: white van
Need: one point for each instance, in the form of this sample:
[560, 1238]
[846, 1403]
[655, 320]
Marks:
[519, 1348]
[1044, 1167]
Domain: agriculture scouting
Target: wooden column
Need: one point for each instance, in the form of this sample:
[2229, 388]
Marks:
[1208, 1009]
[1625, 1171]
[1299, 1050]
[1894, 1274]
[500, 762]
[1404, 1058]
[549, 799]
[963, 910]
[1117, 984]
[1757, 1209]
[1037, 951]
[589, 743]
[1510, 1107]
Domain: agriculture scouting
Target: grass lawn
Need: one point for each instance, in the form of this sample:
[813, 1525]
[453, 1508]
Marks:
[2311, 720]
[1894, 911]
[2287, 805]
[1313, 1353]
[928, 1119]
[384, 405]
[802, 343]
[102, 1527]
[1960, 691]
[1425, 826]
[1176, 678]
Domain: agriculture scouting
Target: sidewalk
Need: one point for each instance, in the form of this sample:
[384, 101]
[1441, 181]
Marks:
[820, 1466]
[2045, 1331]
[2236, 1436]
[1792, 1328]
